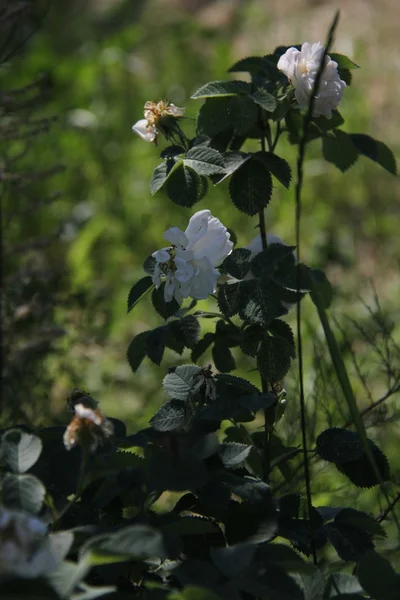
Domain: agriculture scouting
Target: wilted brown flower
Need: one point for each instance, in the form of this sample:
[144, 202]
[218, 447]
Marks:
[89, 428]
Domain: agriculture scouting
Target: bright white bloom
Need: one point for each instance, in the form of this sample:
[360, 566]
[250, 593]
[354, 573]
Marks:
[149, 128]
[189, 263]
[24, 547]
[301, 68]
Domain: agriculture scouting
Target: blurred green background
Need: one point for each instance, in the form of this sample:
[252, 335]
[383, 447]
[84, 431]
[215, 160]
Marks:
[98, 61]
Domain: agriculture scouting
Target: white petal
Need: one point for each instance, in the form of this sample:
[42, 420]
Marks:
[204, 281]
[176, 237]
[175, 110]
[147, 132]
[197, 227]
[211, 239]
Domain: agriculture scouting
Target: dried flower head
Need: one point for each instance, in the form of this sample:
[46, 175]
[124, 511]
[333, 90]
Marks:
[151, 126]
[80, 397]
[89, 428]
[204, 381]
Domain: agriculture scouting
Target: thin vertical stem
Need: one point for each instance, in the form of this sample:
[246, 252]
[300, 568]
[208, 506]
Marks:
[299, 185]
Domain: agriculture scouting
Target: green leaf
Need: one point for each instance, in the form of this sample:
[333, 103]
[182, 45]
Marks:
[194, 592]
[20, 450]
[347, 450]
[264, 303]
[223, 358]
[133, 542]
[193, 526]
[377, 577]
[284, 556]
[250, 187]
[243, 114]
[269, 583]
[179, 383]
[213, 117]
[325, 124]
[184, 186]
[190, 330]
[137, 292]
[339, 584]
[233, 560]
[172, 416]
[343, 61]
[222, 88]
[201, 346]
[162, 173]
[164, 309]
[273, 358]
[172, 151]
[264, 99]
[375, 150]
[360, 520]
[252, 64]
[237, 264]
[23, 492]
[321, 286]
[278, 166]
[281, 329]
[231, 297]
[339, 149]
[155, 344]
[349, 542]
[233, 455]
[251, 339]
[233, 161]
[137, 350]
[205, 160]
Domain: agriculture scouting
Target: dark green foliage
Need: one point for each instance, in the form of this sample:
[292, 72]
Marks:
[138, 291]
[164, 309]
[375, 150]
[250, 187]
[339, 149]
[346, 450]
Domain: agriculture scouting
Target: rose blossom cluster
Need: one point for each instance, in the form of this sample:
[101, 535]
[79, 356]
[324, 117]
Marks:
[301, 68]
[188, 264]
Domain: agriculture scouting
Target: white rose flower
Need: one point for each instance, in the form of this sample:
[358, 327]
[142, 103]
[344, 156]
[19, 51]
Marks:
[147, 132]
[189, 263]
[301, 68]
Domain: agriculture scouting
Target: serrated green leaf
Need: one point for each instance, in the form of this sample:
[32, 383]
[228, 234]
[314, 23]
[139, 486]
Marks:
[325, 124]
[20, 449]
[166, 472]
[264, 99]
[321, 285]
[164, 309]
[233, 455]
[377, 577]
[171, 416]
[201, 346]
[190, 330]
[223, 358]
[213, 117]
[149, 265]
[375, 150]
[172, 151]
[193, 526]
[222, 88]
[135, 541]
[233, 560]
[243, 114]
[237, 264]
[142, 287]
[250, 187]
[273, 358]
[339, 150]
[343, 61]
[360, 520]
[155, 344]
[205, 160]
[184, 186]
[283, 330]
[278, 166]
[251, 339]
[137, 350]
[23, 492]
[179, 383]
[231, 297]
[233, 161]
[349, 542]
[162, 173]
[346, 76]
[264, 305]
